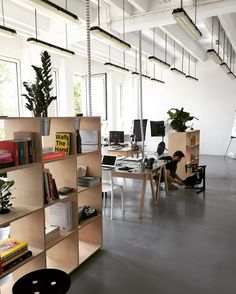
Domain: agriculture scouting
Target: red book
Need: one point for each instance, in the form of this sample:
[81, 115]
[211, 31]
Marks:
[12, 147]
[53, 155]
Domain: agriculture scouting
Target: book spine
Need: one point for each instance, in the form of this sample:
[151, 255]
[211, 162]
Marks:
[46, 185]
[15, 256]
[48, 156]
[17, 261]
[52, 196]
[21, 152]
[30, 151]
[14, 251]
[55, 191]
[26, 152]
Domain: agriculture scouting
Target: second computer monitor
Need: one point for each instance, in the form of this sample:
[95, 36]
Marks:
[157, 128]
[137, 129]
[116, 137]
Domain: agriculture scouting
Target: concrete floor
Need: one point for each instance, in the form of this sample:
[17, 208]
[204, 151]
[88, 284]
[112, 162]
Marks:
[185, 245]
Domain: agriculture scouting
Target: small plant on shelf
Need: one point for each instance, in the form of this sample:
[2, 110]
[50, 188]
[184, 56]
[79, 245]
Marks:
[5, 196]
[178, 119]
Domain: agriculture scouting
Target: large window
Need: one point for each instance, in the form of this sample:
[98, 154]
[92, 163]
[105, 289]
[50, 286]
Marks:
[9, 88]
[98, 95]
[78, 84]
[53, 107]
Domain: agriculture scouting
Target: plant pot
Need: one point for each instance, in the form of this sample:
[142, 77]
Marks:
[45, 126]
[4, 210]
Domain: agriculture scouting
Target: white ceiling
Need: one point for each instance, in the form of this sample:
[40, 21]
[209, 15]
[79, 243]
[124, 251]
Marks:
[139, 15]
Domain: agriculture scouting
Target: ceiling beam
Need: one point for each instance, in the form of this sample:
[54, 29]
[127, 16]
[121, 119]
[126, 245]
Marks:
[152, 19]
[185, 41]
[118, 4]
[140, 5]
[229, 24]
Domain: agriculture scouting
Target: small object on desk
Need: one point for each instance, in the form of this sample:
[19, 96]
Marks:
[126, 168]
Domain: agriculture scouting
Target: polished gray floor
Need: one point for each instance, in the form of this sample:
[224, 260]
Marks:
[185, 245]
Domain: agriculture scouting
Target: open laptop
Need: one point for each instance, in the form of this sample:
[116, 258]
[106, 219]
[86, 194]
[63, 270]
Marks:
[108, 161]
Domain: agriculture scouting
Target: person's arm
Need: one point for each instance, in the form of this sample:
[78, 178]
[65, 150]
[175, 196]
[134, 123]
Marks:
[176, 180]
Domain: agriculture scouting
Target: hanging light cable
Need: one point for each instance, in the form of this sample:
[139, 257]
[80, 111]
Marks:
[176, 70]
[211, 52]
[6, 31]
[154, 59]
[107, 37]
[51, 47]
[115, 66]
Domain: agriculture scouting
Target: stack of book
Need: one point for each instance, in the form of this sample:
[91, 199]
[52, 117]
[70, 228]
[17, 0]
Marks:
[13, 252]
[50, 187]
[60, 214]
[21, 149]
[88, 181]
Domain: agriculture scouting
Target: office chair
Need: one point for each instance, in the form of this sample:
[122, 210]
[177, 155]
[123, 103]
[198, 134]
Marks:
[108, 186]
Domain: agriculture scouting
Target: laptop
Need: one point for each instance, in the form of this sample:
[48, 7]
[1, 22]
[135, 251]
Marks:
[108, 161]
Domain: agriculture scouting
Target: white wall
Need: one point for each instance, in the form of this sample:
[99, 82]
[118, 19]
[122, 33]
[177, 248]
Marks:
[212, 100]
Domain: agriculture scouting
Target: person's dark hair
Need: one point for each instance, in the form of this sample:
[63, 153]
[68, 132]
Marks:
[179, 154]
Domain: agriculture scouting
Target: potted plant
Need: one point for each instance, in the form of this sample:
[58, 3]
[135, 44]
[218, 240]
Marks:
[39, 93]
[5, 196]
[178, 119]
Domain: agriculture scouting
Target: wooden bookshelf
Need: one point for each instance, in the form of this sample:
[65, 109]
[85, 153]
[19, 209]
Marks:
[30, 213]
[189, 143]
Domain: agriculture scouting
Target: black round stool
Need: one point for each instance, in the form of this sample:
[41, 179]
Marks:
[44, 281]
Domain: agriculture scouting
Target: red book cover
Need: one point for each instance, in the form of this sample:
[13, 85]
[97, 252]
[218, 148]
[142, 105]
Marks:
[53, 155]
[11, 147]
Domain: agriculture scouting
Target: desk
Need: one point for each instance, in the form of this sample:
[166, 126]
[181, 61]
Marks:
[145, 175]
[126, 151]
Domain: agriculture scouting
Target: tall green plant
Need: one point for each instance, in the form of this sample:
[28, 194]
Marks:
[39, 97]
[178, 119]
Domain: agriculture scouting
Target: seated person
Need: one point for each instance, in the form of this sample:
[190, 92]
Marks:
[171, 168]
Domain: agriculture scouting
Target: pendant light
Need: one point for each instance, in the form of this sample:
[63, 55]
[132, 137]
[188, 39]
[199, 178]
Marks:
[176, 70]
[232, 61]
[211, 52]
[154, 76]
[154, 59]
[107, 37]
[189, 76]
[6, 31]
[224, 65]
[51, 47]
[112, 65]
[185, 22]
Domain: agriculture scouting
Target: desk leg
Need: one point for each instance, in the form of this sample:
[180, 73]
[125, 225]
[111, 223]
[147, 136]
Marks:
[153, 190]
[165, 177]
[158, 184]
[143, 196]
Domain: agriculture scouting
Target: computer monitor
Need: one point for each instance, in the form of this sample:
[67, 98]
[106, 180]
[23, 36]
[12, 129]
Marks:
[116, 137]
[137, 129]
[157, 128]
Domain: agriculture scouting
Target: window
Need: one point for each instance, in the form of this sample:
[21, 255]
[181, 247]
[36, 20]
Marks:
[99, 95]
[9, 88]
[78, 83]
[53, 107]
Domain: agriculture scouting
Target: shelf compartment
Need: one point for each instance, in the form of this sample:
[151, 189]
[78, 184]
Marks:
[88, 221]
[90, 238]
[27, 266]
[35, 253]
[62, 235]
[87, 249]
[89, 197]
[63, 255]
[19, 211]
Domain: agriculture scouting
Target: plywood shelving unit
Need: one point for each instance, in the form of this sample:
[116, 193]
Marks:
[189, 143]
[29, 215]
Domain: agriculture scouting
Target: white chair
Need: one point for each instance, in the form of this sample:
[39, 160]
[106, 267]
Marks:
[108, 186]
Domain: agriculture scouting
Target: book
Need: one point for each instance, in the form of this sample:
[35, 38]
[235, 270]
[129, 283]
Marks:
[9, 246]
[60, 214]
[30, 138]
[53, 155]
[14, 257]
[17, 261]
[10, 146]
[81, 171]
[63, 142]
[51, 232]
[88, 181]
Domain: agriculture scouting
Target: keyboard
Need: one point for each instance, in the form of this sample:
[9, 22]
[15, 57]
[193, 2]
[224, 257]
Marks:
[117, 147]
